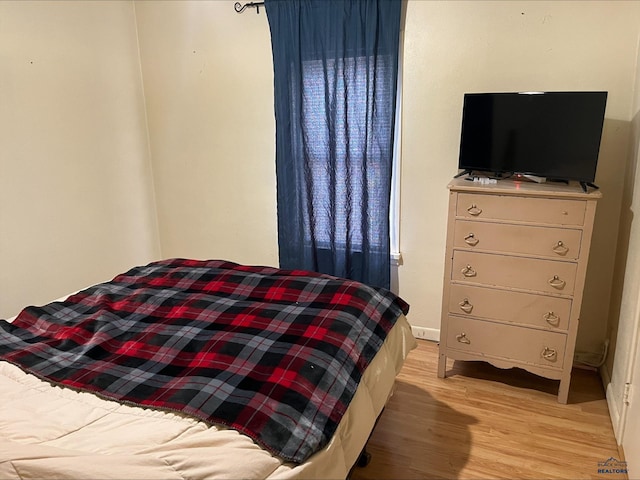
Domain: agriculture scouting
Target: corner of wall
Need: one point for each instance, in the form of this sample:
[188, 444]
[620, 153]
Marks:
[152, 187]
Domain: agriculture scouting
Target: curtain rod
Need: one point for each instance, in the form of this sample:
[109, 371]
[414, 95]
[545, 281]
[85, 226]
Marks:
[239, 8]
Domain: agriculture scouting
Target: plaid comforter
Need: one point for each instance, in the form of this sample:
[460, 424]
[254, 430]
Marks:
[274, 354]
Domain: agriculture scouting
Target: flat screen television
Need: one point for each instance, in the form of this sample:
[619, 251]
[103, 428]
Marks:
[553, 135]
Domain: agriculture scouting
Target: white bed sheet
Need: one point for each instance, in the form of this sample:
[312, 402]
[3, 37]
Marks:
[57, 433]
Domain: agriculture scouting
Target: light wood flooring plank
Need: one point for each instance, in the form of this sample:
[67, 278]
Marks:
[484, 423]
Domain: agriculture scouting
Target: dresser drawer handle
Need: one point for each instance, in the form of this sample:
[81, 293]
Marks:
[560, 248]
[556, 282]
[552, 319]
[462, 338]
[465, 306]
[468, 271]
[471, 240]
[549, 354]
[474, 210]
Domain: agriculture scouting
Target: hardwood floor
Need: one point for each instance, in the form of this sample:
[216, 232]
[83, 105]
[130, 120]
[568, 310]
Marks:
[482, 422]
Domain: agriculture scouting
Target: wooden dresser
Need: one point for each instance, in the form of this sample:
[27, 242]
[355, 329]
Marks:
[516, 261]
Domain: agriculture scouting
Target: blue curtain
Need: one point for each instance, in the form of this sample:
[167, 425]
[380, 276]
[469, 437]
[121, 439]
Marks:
[335, 75]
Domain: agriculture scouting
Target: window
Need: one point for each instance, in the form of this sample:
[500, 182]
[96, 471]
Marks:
[335, 80]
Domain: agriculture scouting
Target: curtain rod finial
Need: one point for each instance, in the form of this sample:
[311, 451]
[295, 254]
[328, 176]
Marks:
[239, 8]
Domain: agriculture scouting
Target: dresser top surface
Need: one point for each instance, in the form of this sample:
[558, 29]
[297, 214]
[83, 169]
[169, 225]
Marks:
[525, 187]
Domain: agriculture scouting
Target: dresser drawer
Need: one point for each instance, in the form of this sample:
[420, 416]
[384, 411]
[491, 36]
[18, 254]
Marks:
[510, 306]
[510, 342]
[521, 209]
[514, 272]
[508, 238]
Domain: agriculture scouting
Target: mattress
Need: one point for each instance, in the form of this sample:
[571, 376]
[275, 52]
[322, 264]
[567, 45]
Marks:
[49, 431]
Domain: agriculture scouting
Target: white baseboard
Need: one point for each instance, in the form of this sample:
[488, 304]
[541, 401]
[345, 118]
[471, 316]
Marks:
[614, 408]
[426, 333]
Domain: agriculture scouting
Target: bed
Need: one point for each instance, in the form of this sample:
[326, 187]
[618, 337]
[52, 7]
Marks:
[199, 369]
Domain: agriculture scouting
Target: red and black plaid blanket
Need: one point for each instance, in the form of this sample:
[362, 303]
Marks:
[274, 354]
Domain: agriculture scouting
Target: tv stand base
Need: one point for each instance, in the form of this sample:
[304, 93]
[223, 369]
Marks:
[584, 186]
[464, 172]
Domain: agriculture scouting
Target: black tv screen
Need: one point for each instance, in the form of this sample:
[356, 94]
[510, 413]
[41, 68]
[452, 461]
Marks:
[555, 135]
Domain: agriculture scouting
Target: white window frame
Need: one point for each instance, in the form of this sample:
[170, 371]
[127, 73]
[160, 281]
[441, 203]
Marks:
[394, 206]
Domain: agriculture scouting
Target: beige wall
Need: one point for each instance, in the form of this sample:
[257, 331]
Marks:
[209, 89]
[76, 204]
